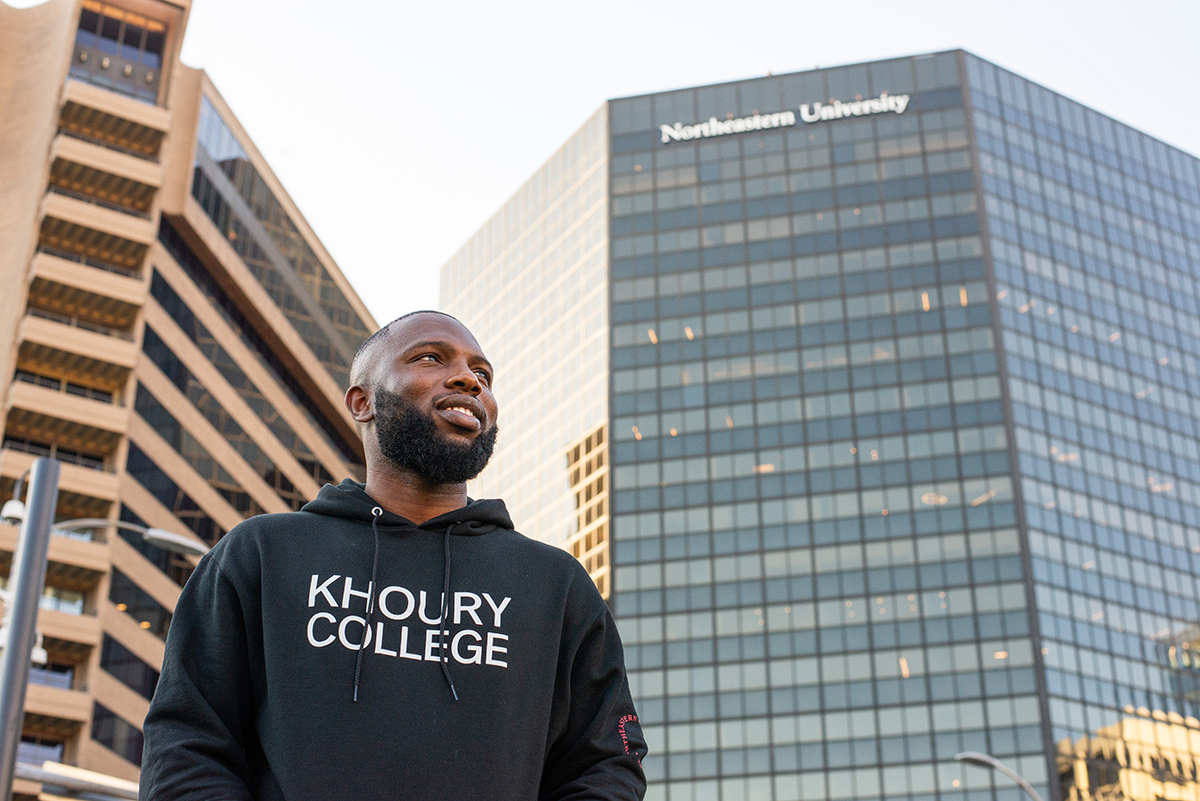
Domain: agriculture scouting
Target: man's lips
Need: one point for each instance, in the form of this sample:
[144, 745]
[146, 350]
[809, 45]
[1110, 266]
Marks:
[462, 412]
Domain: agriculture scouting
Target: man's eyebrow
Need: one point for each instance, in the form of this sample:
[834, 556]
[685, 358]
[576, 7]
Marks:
[437, 343]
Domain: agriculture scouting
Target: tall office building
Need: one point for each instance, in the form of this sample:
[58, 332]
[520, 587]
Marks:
[179, 341]
[885, 377]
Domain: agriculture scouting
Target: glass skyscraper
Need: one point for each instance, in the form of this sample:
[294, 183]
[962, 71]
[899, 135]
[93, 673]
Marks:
[902, 423]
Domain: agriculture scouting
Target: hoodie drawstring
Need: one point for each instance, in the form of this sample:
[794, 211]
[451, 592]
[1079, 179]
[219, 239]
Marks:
[376, 513]
[446, 616]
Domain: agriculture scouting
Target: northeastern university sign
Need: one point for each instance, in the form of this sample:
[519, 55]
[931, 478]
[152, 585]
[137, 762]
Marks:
[815, 112]
[715, 127]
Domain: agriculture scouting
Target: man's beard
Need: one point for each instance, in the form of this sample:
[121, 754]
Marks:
[413, 442]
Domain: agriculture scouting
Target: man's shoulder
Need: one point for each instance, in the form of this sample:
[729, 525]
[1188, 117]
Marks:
[549, 566]
[254, 534]
[529, 548]
[271, 523]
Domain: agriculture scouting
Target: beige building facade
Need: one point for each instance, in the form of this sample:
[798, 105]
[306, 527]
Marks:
[531, 284]
[172, 331]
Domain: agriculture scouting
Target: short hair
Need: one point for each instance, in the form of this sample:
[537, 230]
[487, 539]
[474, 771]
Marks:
[364, 359]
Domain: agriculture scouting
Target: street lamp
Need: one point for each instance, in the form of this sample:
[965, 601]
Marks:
[167, 540]
[38, 654]
[14, 509]
[988, 761]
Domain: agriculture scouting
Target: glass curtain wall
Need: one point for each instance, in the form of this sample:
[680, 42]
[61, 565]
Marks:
[243, 206]
[819, 574]
[1094, 238]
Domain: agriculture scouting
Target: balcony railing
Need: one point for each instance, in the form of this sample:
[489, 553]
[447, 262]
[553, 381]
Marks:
[84, 324]
[69, 387]
[48, 677]
[68, 606]
[99, 265]
[50, 451]
[110, 145]
[37, 753]
[95, 201]
[57, 599]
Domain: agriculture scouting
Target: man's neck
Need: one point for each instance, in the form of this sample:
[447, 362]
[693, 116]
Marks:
[411, 496]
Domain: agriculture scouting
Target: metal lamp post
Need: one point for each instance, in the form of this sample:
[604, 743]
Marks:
[28, 577]
[25, 591]
[989, 761]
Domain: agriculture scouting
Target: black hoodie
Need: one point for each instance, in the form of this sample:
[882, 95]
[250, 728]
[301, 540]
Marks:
[263, 662]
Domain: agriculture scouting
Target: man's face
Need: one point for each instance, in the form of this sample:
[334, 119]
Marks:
[435, 414]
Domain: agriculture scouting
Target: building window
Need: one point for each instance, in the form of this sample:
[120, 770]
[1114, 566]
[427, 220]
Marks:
[125, 666]
[117, 734]
[177, 568]
[139, 605]
[151, 476]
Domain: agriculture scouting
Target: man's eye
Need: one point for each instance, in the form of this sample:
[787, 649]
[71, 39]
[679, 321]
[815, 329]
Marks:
[430, 356]
[484, 375]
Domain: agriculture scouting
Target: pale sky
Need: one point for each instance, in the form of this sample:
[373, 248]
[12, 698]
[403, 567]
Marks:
[400, 127]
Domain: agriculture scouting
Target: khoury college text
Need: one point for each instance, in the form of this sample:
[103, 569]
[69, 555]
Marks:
[814, 112]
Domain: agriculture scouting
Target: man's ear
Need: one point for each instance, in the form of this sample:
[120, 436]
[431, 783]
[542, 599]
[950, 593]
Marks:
[359, 404]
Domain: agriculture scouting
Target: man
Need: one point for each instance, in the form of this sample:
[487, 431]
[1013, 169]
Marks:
[395, 639]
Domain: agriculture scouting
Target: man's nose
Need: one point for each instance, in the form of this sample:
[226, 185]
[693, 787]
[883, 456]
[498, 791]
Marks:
[464, 378]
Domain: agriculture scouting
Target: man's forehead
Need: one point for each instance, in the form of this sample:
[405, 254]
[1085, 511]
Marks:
[430, 327]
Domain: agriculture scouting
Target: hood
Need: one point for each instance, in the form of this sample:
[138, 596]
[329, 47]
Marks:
[350, 500]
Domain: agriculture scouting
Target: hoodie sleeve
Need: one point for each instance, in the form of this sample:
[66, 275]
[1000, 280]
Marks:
[597, 746]
[201, 716]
